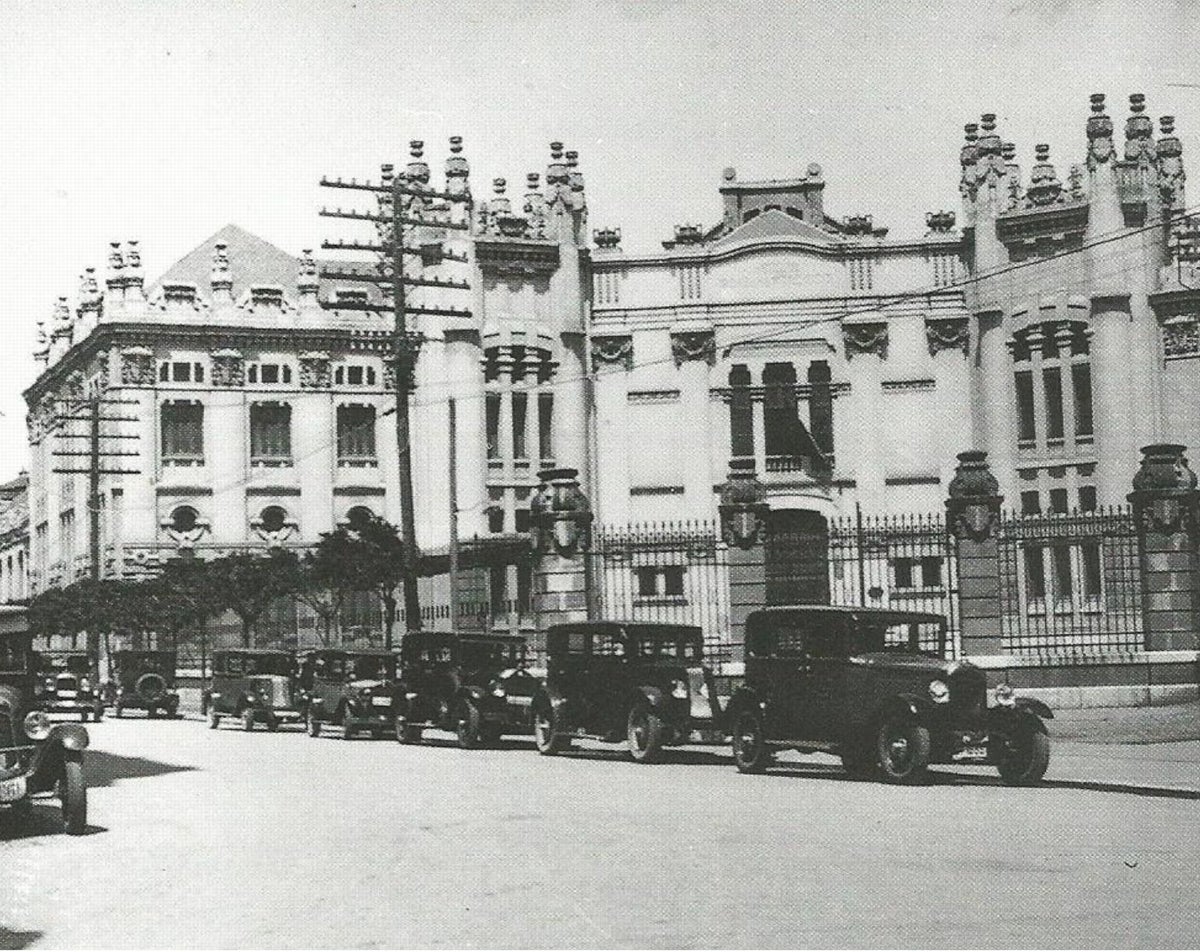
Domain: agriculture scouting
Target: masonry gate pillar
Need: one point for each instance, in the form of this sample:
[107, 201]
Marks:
[1165, 506]
[973, 518]
[560, 526]
[744, 510]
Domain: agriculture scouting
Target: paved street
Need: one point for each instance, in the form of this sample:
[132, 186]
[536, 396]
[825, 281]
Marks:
[230, 839]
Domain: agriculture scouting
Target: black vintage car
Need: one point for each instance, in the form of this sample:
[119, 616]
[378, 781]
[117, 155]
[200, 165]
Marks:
[145, 681]
[255, 687]
[67, 684]
[475, 685]
[36, 757]
[873, 686]
[644, 684]
[354, 690]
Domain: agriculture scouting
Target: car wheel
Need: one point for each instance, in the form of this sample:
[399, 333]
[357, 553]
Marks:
[347, 727]
[407, 734]
[750, 751]
[98, 713]
[247, 720]
[214, 719]
[469, 726]
[119, 710]
[646, 733]
[272, 722]
[902, 747]
[73, 791]
[314, 725]
[545, 738]
[1022, 755]
[152, 711]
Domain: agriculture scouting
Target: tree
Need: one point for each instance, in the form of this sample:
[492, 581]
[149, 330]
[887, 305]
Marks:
[325, 583]
[248, 584]
[366, 556]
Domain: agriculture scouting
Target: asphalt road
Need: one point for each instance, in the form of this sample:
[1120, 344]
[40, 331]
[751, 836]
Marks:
[229, 839]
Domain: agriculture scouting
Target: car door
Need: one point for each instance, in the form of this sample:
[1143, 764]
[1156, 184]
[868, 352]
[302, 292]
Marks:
[820, 690]
[787, 672]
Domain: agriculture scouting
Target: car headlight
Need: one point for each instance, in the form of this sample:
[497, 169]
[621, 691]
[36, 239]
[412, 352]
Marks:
[679, 689]
[498, 691]
[1004, 695]
[85, 684]
[939, 692]
[37, 725]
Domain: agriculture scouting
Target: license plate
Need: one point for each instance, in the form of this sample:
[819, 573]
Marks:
[520, 701]
[12, 790]
[68, 694]
[381, 701]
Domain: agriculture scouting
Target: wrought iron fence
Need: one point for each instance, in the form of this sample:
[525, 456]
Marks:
[673, 573]
[904, 562]
[1070, 583]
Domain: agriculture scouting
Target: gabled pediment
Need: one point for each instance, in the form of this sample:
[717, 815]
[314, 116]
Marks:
[774, 224]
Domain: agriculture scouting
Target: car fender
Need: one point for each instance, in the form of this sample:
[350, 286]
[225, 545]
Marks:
[743, 700]
[653, 697]
[1035, 707]
[66, 742]
[1004, 717]
[557, 703]
[903, 705]
[470, 692]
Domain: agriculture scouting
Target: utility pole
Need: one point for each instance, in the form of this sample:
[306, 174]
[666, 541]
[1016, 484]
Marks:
[452, 478]
[400, 200]
[98, 463]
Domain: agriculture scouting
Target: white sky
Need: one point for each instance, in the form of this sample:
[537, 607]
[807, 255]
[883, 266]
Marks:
[164, 121]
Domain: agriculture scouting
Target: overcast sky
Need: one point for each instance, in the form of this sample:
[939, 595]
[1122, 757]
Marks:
[164, 121]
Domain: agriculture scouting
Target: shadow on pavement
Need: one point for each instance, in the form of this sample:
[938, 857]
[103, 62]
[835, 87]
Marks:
[104, 768]
[44, 819]
[10, 939]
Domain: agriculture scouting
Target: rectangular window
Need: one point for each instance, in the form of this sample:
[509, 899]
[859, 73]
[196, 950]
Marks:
[1081, 382]
[492, 406]
[1063, 583]
[673, 580]
[1031, 503]
[1087, 498]
[271, 432]
[1090, 552]
[520, 403]
[354, 375]
[546, 426]
[269, 373]
[181, 372]
[1058, 500]
[903, 569]
[931, 571]
[1025, 425]
[1035, 578]
[1052, 382]
[647, 581]
[356, 433]
[182, 432]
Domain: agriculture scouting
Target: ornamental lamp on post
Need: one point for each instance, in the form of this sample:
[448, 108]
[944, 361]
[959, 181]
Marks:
[973, 503]
[560, 514]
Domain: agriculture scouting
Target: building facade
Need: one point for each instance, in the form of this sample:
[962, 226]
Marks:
[1052, 322]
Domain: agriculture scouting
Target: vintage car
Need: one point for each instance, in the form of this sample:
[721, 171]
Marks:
[145, 681]
[354, 690]
[67, 684]
[475, 685]
[36, 756]
[644, 684]
[255, 687]
[873, 686]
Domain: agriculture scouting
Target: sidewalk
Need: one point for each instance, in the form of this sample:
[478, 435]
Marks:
[1128, 725]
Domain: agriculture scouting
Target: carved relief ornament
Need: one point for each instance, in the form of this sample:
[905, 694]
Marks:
[948, 333]
[693, 345]
[866, 338]
[612, 349]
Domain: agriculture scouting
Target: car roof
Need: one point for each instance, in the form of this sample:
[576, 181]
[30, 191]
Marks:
[253, 651]
[858, 611]
[631, 626]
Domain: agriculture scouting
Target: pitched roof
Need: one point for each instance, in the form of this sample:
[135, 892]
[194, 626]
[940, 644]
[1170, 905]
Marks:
[774, 224]
[252, 260]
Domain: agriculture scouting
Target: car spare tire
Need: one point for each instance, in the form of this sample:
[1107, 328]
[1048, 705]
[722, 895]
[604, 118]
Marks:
[151, 686]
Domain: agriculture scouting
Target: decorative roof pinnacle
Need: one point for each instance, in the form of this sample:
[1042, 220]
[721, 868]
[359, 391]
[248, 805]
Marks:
[1099, 133]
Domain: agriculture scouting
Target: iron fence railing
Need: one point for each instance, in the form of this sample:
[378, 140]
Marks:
[1070, 583]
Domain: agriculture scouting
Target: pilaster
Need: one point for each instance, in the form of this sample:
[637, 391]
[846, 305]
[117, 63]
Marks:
[973, 518]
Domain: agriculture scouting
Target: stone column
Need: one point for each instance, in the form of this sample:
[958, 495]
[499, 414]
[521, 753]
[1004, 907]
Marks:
[973, 518]
[1166, 505]
[560, 527]
[744, 510]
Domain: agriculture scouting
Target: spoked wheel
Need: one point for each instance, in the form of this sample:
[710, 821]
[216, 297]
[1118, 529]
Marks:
[1022, 754]
[469, 725]
[646, 733]
[545, 738]
[73, 790]
[750, 751]
[214, 719]
[902, 747]
[314, 725]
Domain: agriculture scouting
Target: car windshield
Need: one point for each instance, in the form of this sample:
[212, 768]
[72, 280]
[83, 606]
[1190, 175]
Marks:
[899, 634]
[373, 667]
[492, 653]
[13, 655]
[245, 665]
[671, 646]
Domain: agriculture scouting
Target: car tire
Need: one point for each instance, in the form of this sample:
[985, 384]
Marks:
[545, 737]
[214, 719]
[750, 751]
[902, 746]
[314, 725]
[1022, 756]
[646, 734]
[73, 791]
[407, 734]
[469, 725]
[247, 720]
[272, 722]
